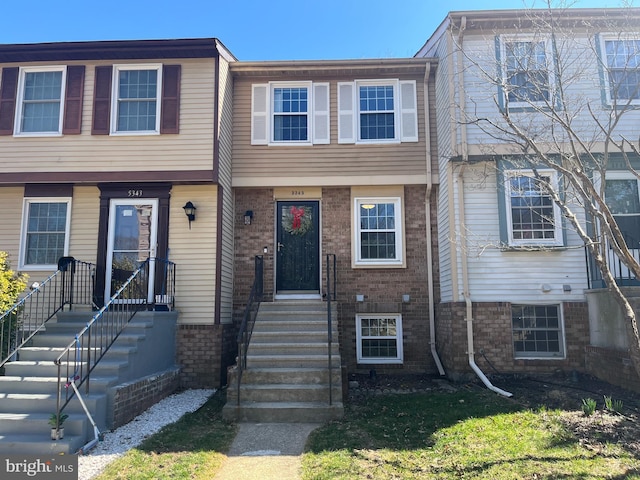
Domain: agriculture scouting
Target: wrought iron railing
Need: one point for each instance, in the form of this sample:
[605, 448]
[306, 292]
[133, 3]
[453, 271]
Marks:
[72, 284]
[89, 346]
[249, 319]
[330, 296]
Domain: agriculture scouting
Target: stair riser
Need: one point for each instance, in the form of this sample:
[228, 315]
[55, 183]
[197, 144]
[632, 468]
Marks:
[27, 426]
[291, 349]
[295, 307]
[69, 445]
[21, 386]
[290, 337]
[48, 405]
[283, 415]
[40, 354]
[280, 326]
[314, 377]
[266, 361]
[249, 394]
[20, 369]
[63, 340]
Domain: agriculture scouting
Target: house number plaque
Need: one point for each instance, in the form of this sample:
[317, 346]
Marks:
[134, 193]
[284, 193]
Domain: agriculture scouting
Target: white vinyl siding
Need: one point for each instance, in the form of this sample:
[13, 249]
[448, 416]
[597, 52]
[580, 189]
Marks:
[40, 106]
[379, 338]
[290, 113]
[135, 104]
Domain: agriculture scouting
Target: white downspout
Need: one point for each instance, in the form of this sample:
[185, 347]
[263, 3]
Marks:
[467, 296]
[432, 309]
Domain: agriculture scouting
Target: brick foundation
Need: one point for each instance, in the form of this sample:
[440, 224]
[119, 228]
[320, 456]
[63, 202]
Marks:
[613, 366]
[131, 399]
[493, 343]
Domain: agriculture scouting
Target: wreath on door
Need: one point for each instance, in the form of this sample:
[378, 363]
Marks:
[297, 221]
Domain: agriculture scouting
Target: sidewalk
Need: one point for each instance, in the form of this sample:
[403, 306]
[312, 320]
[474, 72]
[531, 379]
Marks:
[266, 451]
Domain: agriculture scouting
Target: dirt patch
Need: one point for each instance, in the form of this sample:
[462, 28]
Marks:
[553, 392]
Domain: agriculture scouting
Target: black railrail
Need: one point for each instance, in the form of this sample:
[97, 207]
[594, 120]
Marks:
[89, 346]
[331, 296]
[72, 284]
[624, 276]
[249, 319]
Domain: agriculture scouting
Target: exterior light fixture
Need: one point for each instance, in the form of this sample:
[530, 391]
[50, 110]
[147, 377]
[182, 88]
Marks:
[248, 216]
[368, 206]
[190, 212]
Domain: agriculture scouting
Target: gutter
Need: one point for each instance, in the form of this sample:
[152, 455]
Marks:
[432, 319]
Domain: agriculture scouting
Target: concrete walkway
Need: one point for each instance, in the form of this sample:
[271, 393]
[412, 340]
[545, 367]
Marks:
[266, 451]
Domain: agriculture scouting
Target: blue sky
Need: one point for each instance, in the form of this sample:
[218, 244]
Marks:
[251, 29]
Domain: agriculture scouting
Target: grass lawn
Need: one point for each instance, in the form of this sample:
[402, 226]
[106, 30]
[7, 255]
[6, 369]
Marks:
[465, 434]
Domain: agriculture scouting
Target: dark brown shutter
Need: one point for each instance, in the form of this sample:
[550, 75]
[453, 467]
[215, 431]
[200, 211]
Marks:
[102, 101]
[73, 100]
[8, 92]
[170, 114]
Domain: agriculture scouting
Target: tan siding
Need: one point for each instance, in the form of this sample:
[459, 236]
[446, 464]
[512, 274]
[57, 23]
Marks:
[194, 252]
[191, 149]
[85, 209]
[322, 163]
[10, 219]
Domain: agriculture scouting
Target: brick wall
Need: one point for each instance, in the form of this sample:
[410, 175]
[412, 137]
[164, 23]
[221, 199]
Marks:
[493, 342]
[382, 288]
[613, 366]
[134, 398]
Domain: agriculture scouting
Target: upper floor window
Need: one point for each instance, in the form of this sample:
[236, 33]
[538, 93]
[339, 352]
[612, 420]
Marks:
[526, 72]
[45, 232]
[377, 111]
[40, 101]
[136, 99]
[533, 218]
[623, 70]
[290, 113]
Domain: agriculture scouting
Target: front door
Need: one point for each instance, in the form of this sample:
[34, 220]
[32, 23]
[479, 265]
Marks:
[133, 227]
[298, 248]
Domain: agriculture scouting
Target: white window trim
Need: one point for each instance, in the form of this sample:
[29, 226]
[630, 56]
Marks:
[399, 232]
[114, 98]
[563, 340]
[558, 239]
[359, 338]
[23, 234]
[504, 39]
[310, 114]
[607, 37]
[396, 109]
[20, 99]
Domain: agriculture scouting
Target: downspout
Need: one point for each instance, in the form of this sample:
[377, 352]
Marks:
[432, 310]
[463, 227]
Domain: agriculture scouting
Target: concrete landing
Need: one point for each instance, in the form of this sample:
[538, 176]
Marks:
[266, 451]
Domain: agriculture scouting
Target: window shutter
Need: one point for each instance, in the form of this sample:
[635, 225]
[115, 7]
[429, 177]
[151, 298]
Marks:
[408, 112]
[8, 91]
[321, 134]
[346, 113]
[170, 115]
[102, 101]
[260, 114]
[74, 94]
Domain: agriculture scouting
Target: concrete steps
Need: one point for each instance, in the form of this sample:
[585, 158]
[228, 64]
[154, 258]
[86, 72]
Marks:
[287, 375]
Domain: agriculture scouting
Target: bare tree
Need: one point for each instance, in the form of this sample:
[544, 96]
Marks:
[565, 92]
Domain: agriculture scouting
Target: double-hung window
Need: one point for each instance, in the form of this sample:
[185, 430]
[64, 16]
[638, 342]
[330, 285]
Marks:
[533, 218]
[45, 232]
[526, 72]
[40, 101]
[136, 99]
[379, 338]
[378, 231]
[290, 113]
[377, 111]
[537, 331]
[622, 61]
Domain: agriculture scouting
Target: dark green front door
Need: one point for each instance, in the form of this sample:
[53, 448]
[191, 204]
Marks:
[298, 247]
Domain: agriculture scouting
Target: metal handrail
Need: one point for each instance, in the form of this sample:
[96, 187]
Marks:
[73, 283]
[89, 346]
[249, 319]
[331, 295]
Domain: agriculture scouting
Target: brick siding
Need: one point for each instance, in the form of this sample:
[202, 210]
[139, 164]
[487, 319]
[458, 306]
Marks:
[613, 366]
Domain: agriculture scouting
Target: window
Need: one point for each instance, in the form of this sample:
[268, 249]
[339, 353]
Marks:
[40, 101]
[377, 111]
[379, 338]
[136, 105]
[525, 69]
[532, 216]
[623, 70]
[292, 113]
[537, 331]
[621, 195]
[45, 232]
[378, 231]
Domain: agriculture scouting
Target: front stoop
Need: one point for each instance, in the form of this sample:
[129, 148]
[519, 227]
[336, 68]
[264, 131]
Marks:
[287, 375]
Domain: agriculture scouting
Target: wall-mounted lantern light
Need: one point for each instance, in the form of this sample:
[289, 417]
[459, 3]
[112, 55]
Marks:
[190, 212]
[248, 216]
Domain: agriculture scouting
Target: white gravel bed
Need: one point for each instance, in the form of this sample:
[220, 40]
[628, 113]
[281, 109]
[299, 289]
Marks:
[119, 441]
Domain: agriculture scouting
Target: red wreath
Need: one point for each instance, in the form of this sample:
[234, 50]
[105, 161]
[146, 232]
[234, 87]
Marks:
[297, 213]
